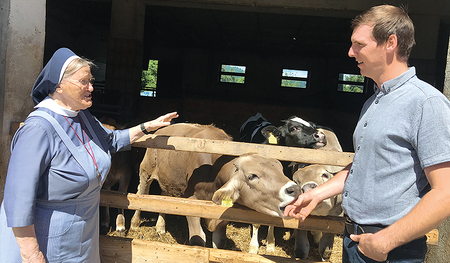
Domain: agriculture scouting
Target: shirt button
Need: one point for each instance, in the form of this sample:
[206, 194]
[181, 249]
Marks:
[345, 194]
[376, 102]
[359, 147]
[365, 124]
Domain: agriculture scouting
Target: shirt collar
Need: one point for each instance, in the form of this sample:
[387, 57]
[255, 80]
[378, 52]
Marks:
[50, 104]
[397, 82]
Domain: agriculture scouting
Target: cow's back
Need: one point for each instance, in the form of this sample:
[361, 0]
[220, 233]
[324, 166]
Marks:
[176, 170]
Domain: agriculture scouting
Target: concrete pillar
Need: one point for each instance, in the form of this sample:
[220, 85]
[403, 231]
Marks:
[124, 59]
[441, 252]
[22, 32]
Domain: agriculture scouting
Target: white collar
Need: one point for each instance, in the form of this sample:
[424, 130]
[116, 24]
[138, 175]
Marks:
[50, 104]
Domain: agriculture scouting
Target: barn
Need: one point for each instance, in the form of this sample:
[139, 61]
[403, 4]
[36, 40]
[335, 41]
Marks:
[215, 61]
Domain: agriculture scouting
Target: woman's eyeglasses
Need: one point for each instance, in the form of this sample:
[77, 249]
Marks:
[84, 82]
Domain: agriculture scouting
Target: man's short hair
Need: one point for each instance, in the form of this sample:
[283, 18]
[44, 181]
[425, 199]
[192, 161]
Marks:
[389, 20]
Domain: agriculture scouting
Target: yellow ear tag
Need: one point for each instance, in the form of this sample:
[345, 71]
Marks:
[227, 202]
[272, 139]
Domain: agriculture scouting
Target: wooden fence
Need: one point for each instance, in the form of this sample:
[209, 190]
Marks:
[126, 250]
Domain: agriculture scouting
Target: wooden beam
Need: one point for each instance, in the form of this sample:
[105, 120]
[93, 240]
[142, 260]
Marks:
[293, 154]
[125, 250]
[208, 209]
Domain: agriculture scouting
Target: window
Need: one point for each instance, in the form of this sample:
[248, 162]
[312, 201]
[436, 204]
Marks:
[294, 78]
[351, 83]
[149, 79]
[232, 74]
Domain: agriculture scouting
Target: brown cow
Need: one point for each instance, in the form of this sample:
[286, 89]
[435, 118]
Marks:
[251, 180]
[308, 178]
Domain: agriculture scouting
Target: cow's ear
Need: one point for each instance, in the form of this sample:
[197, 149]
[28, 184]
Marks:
[268, 130]
[229, 192]
[333, 169]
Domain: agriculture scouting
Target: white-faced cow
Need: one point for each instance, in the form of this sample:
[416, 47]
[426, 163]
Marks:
[295, 132]
[250, 180]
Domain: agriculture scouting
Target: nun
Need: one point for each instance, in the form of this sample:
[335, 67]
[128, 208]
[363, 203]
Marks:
[59, 159]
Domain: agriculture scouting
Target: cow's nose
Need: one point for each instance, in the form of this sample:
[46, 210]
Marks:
[293, 190]
[308, 187]
[319, 135]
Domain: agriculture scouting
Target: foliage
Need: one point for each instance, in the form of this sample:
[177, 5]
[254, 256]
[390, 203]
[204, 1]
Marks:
[150, 76]
[230, 78]
[358, 87]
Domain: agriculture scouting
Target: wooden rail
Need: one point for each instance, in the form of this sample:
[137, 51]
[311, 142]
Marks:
[207, 209]
[125, 250]
[284, 153]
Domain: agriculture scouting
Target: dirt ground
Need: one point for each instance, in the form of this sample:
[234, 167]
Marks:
[238, 236]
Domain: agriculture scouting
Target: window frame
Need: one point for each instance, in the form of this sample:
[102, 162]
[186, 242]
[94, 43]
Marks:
[306, 79]
[232, 74]
[363, 84]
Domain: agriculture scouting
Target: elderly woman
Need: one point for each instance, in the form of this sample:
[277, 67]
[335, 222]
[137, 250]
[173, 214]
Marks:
[59, 159]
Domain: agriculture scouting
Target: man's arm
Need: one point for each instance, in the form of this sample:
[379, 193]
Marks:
[429, 213]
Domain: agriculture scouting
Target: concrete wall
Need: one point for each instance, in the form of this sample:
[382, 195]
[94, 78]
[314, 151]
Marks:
[441, 252]
[21, 51]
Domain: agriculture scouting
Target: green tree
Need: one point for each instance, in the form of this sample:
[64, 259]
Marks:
[232, 78]
[150, 76]
[355, 88]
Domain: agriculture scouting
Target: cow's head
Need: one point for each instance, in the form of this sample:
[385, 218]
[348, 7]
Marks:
[258, 183]
[296, 132]
[311, 176]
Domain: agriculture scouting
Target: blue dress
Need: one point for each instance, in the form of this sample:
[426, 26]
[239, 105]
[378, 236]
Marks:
[52, 182]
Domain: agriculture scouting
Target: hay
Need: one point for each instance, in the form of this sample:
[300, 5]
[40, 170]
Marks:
[238, 237]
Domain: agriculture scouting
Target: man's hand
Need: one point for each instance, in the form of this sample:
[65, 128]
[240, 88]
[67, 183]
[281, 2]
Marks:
[302, 207]
[371, 247]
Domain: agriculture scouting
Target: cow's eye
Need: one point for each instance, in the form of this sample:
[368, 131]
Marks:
[293, 128]
[252, 177]
[325, 176]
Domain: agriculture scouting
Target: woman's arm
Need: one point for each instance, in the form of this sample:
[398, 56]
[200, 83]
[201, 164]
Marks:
[29, 247]
[136, 132]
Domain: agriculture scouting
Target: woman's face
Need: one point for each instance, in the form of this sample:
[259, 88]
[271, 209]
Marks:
[75, 92]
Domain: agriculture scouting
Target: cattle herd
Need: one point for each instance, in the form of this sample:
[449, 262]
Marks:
[259, 183]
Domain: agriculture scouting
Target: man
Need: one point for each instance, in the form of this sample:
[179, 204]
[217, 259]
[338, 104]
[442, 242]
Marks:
[398, 186]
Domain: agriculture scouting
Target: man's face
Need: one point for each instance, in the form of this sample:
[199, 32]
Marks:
[370, 57]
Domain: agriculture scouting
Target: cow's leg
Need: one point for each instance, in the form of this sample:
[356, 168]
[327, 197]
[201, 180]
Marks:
[143, 188]
[254, 244]
[123, 187]
[326, 246]
[120, 225]
[219, 235]
[161, 224]
[317, 236]
[104, 215]
[197, 236]
[301, 244]
[270, 245]
[104, 221]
